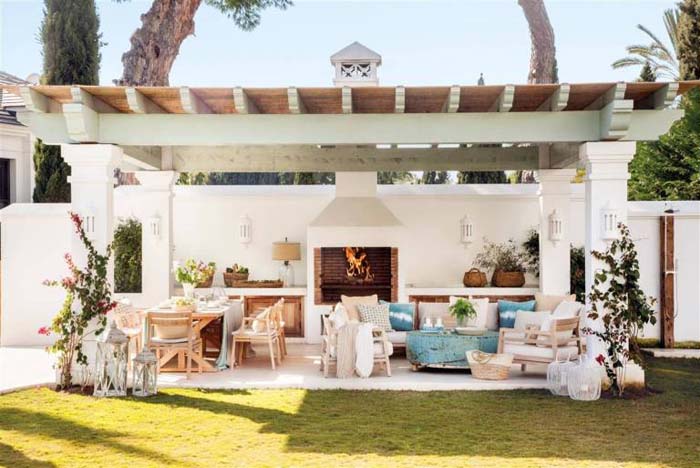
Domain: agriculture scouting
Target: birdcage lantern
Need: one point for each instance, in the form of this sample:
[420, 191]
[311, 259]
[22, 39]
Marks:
[556, 227]
[558, 375]
[245, 230]
[584, 380]
[467, 230]
[145, 374]
[609, 221]
[111, 362]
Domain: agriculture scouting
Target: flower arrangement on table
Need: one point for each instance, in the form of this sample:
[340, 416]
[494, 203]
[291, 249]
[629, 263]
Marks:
[463, 311]
[195, 274]
[185, 304]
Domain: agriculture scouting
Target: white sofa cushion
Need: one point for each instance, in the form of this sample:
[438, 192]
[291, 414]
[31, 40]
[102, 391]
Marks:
[532, 351]
[567, 309]
[396, 337]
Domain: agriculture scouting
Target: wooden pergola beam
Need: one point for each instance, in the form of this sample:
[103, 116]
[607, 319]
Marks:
[504, 103]
[452, 102]
[244, 105]
[558, 101]
[191, 103]
[140, 104]
[296, 103]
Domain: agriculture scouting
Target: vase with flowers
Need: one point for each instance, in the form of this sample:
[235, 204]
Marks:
[194, 274]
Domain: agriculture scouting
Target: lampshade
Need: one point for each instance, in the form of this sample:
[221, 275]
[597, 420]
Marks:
[286, 251]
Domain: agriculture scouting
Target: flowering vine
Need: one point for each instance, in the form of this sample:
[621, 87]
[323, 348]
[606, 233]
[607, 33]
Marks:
[87, 302]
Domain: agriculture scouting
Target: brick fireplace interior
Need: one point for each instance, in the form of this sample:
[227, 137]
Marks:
[355, 271]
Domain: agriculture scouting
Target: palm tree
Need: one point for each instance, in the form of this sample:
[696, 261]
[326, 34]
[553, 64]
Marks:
[662, 59]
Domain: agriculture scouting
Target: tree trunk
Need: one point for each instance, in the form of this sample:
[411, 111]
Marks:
[542, 55]
[156, 44]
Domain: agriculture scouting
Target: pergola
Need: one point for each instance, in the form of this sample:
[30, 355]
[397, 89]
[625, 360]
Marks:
[160, 131]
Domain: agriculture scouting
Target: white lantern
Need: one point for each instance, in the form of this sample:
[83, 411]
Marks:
[153, 225]
[609, 221]
[556, 227]
[584, 380]
[89, 216]
[111, 362]
[145, 374]
[558, 376]
[467, 230]
[245, 230]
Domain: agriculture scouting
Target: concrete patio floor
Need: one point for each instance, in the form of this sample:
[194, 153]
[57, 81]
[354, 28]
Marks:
[29, 367]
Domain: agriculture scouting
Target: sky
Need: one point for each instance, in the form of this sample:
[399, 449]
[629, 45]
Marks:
[421, 42]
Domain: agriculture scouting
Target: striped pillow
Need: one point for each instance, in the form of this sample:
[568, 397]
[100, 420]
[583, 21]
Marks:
[377, 315]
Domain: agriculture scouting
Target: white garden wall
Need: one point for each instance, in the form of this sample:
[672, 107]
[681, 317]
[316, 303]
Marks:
[34, 238]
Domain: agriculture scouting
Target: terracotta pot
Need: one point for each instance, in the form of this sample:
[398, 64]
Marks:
[508, 279]
[474, 278]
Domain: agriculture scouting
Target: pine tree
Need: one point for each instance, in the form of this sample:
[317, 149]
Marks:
[71, 49]
[669, 169]
[647, 73]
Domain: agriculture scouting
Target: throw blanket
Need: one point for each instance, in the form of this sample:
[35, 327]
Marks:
[355, 350]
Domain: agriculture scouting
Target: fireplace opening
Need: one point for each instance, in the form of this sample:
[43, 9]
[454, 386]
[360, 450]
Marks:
[355, 271]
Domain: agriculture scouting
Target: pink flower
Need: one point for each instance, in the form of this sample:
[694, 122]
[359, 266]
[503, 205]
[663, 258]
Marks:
[600, 359]
[44, 331]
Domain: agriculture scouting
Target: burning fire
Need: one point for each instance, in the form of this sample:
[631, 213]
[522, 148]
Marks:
[358, 265]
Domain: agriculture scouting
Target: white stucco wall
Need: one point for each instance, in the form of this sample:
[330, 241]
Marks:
[16, 145]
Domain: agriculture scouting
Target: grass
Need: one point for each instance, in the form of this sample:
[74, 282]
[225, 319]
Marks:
[190, 428]
[655, 343]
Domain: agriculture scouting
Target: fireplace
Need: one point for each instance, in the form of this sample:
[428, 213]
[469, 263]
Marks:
[355, 271]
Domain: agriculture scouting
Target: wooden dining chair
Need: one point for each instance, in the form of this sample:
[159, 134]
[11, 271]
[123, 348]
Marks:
[264, 328]
[130, 321]
[167, 348]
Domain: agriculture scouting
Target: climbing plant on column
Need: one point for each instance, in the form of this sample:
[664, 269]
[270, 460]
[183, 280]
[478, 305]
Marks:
[619, 303]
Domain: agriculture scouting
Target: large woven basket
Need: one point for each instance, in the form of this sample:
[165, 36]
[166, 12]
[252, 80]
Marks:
[230, 278]
[206, 283]
[474, 278]
[508, 279]
[487, 366]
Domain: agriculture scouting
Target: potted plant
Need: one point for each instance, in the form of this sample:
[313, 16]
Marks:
[195, 274]
[463, 311]
[235, 273]
[506, 260]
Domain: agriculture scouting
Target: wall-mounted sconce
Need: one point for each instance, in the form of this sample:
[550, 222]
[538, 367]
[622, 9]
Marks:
[556, 227]
[467, 230]
[245, 230]
[609, 220]
[89, 227]
[153, 226]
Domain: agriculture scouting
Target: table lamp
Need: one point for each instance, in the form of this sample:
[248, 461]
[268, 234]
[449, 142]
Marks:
[286, 252]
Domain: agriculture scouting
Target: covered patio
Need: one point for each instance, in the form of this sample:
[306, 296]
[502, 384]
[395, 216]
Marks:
[353, 131]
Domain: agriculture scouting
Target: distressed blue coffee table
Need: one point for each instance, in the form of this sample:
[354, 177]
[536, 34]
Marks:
[446, 349]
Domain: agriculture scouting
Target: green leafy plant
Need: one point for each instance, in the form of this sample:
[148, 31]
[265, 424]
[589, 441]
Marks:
[619, 303]
[577, 280]
[236, 268]
[505, 256]
[463, 310]
[127, 256]
[531, 254]
[193, 272]
[88, 300]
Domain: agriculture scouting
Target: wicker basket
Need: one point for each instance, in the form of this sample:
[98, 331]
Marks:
[508, 279]
[474, 278]
[206, 283]
[231, 278]
[487, 366]
[257, 284]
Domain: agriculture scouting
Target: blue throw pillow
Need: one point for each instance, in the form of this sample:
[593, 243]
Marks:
[508, 309]
[401, 315]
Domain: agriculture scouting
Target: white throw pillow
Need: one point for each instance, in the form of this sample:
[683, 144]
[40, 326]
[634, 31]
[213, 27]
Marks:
[259, 322]
[525, 319]
[482, 310]
[339, 316]
[567, 309]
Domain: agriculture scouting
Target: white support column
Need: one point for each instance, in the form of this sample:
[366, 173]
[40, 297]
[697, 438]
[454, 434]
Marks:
[606, 188]
[92, 192]
[157, 234]
[555, 201]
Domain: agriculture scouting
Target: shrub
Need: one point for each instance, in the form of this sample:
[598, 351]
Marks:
[127, 256]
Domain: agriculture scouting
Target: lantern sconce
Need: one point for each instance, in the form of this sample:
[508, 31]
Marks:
[154, 227]
[245, 230]
[556, 227]
[89, 222]
[609, 220]
[467, 230]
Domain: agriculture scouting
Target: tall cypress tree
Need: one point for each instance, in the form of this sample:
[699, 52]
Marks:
[647, 73]
[669, 169]
[71, 49]
[483, 177]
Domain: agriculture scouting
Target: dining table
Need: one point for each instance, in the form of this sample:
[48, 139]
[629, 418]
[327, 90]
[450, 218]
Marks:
[232, 314]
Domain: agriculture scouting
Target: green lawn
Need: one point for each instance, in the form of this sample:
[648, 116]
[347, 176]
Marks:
[42, 428]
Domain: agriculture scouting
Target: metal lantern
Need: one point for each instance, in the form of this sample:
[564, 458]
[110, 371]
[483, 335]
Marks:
[584, 380]
[111, 362]
[467, 230]
[609, 221]
[556, 227]
[145, 374]
[558, 376]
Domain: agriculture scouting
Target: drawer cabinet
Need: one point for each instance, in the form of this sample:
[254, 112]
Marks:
[293, 313]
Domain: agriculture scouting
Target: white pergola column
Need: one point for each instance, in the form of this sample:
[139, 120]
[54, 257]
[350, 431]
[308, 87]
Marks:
[606, 188]
[157, 234]
[555, 196]
[92, 192]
